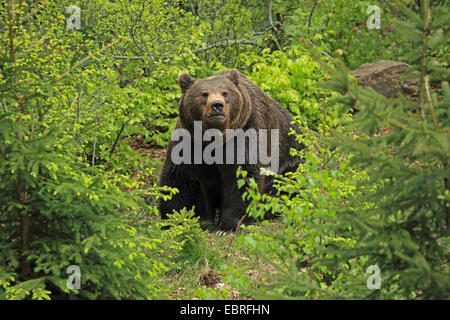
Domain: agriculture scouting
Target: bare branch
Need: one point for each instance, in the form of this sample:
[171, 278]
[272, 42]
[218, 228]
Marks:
[311, 14]
[214, 46]
[118, 137]
[272, 26]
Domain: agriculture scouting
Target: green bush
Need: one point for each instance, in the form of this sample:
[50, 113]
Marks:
[372, 192]
[60, 207]
[291, 78]
[302, 249]
[403, 147]
[340, 29]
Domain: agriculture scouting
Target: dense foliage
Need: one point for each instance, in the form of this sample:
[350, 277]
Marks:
[75, 189]
[385, 205]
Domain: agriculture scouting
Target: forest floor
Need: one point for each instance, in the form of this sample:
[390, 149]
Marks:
[208, 264]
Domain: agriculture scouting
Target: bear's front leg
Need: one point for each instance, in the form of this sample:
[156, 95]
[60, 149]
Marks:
[233, 207]
[189, 191]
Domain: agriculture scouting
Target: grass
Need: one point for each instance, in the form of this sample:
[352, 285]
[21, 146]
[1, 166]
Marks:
[206, 268]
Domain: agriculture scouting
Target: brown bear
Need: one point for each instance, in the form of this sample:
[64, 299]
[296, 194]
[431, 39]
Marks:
[225, 102]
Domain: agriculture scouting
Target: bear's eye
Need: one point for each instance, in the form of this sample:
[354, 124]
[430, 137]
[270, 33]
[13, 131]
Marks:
[205, 94]
[225, 94]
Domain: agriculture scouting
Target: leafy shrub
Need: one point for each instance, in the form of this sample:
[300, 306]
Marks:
[403, 147]
[377, 195]
[291, 78]
[311, 232]
[340, 29]
[60, 206]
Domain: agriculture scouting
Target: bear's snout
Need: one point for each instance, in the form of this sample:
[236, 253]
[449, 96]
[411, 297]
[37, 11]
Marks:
[215, 113]
[217, 106]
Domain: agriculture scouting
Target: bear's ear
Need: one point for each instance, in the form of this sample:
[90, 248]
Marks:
[234, 76]
[185, 81]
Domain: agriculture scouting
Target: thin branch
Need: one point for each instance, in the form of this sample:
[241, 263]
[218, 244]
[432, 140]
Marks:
[272, 26]
[193, 9]
[118, 137]
[95, 144]
[221, 45]
[214, 46]
[423, 68]
[326, 55]
[311, 14]
[77, 134]
[431, 104]
[269, 14]
[93, 151]
[79, 103]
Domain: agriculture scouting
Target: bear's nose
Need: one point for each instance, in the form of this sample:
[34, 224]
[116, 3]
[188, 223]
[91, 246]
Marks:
[217, 106]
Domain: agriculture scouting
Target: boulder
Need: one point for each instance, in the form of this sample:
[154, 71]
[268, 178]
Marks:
[387, 77]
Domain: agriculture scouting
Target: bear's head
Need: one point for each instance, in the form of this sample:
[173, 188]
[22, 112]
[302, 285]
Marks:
[219, 102]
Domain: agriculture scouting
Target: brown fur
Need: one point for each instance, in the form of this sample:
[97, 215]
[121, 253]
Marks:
[245, 106]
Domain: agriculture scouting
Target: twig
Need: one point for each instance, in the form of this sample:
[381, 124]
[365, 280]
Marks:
[95, 143]
[431, 104]
[3, 106]
[240, 222]
[118, 137]
[272, 26]
[93, 151]
[236, 230]
[78, 117]
[327, 55]
[423, 67]
[269, 8]
[79, 103]
[214, 46]
[193, 9]
[311, 14]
